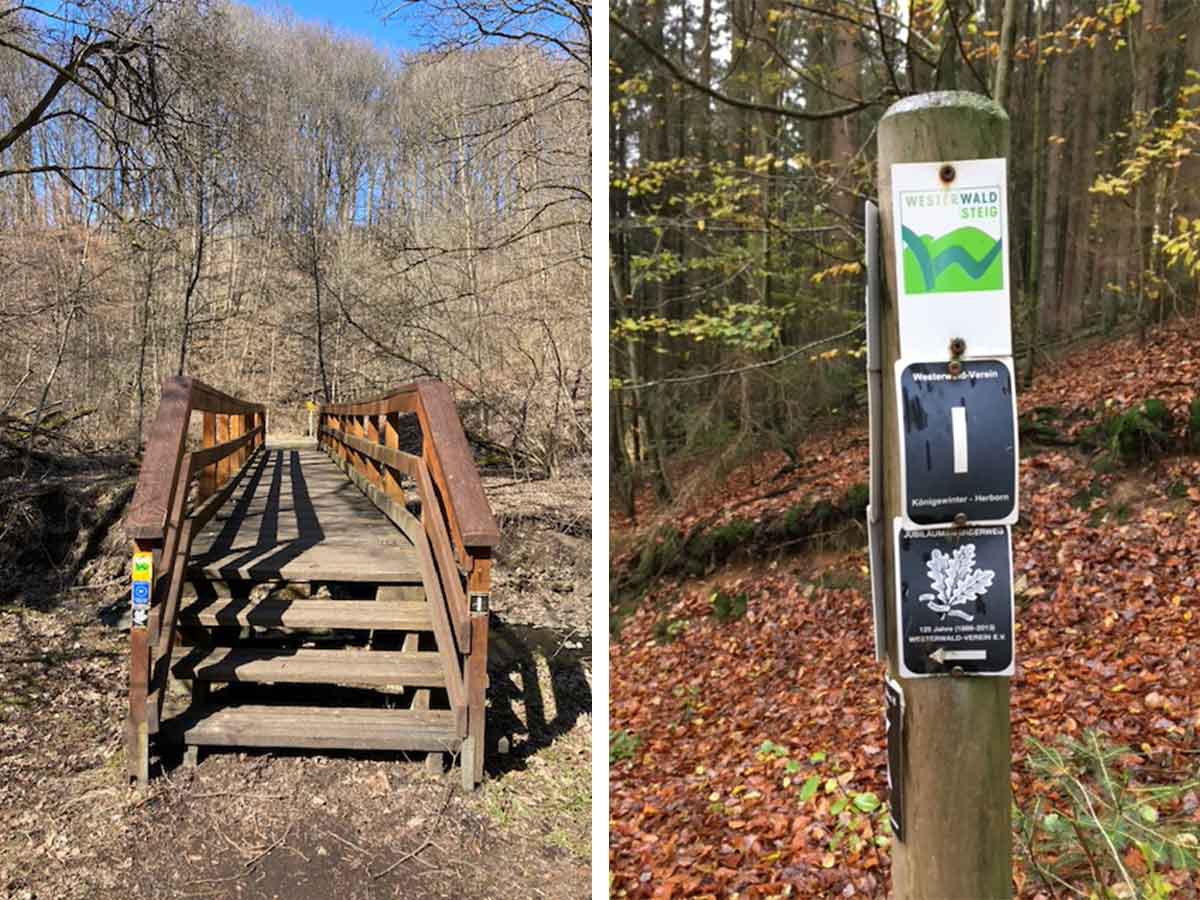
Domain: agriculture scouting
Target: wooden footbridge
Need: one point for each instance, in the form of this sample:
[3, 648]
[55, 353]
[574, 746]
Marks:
[329, 596]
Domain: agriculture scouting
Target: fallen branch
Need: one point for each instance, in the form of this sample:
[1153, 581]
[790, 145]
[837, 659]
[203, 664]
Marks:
[424, 844]
[750, 367]
[250, 864]
[405, 858]
[98, 587]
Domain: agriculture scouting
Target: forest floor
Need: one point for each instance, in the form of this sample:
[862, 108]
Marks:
[282, 824]
[748, 749]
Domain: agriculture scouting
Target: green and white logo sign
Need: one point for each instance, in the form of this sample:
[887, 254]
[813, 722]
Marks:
[968, 257]
[951, 256]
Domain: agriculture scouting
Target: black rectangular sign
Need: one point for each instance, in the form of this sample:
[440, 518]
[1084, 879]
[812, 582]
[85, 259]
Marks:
[954, 599]
[958, 434]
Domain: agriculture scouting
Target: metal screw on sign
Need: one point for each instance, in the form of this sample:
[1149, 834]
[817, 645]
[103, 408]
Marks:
[947, 173]
[954, 367]
[958, 346]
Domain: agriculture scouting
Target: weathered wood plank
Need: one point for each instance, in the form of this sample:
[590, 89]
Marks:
[208, 477]
[225, 464]
[201, 459]
[137, 729]
[399, 593]
[394, 510]
[147, 516]
[340, 560]
[449, 455]
[402, 615]
[319, 728]
[480, 582]
[354, 667]
[388, 456]
[454, 468]
[435, 528]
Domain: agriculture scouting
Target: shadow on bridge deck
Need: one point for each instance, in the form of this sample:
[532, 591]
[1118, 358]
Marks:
[297, 518]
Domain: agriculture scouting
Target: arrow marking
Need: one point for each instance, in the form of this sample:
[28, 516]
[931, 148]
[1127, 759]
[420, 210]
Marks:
[941, 655]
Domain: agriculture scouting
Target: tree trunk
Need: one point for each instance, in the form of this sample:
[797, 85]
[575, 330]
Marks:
[1008, 30]
[1049, 285]
[1076, 284]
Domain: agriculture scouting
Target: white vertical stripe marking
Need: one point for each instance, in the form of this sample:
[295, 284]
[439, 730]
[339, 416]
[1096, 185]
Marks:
[958, 429]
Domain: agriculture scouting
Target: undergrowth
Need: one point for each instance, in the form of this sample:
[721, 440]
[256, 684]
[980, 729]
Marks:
[1096, 830]
[669, 552]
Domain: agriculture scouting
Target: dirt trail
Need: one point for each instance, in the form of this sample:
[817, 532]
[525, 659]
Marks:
[285, 825]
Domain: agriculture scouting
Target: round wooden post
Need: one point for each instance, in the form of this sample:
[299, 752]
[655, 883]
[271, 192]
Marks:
[957, 796]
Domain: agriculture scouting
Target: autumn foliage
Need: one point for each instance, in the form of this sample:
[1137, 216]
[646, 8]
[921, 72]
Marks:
[750, 754]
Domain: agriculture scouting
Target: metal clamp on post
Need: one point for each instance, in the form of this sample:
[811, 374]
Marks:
[480, 603]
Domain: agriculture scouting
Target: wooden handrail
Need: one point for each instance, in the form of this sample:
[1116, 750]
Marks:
[446, 451]
[211, 455]
[397, 459]
[455, 533]
[159, 522]
[181, 396]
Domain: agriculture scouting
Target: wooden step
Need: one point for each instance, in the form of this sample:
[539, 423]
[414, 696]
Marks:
[308, 666]
[317, 728]
[390, 559]
[282, 612]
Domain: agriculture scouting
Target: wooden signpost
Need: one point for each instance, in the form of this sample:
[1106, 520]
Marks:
[944, 490]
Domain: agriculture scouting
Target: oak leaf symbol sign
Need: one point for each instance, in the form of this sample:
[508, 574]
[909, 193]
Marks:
[956, 581]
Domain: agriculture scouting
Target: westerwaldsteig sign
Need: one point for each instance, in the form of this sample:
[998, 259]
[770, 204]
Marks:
[951, 251]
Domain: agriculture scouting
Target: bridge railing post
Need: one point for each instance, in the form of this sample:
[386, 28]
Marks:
[208, 476]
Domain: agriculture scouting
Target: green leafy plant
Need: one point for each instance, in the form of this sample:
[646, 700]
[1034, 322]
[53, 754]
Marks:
[726, 608]
[1093, 823]
[622, 745]
[1141, 433]
[770, 750]
[1082, 499]
[854, 820]
[857, 498]
[667, 631]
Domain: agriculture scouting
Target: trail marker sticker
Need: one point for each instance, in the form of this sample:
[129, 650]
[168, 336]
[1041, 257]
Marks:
[954, 601]
[951, 247]
[143, 577]
[958, 434]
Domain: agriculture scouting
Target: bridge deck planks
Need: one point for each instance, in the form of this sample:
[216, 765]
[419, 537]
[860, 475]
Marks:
[297, 518]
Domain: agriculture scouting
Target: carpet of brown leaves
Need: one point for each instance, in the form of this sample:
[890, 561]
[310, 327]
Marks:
[728, 721]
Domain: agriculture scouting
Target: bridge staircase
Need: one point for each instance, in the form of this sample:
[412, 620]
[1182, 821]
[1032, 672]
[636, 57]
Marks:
[321, 596]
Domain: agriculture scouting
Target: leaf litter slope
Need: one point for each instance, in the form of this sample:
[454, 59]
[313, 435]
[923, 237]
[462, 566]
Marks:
[732, 721]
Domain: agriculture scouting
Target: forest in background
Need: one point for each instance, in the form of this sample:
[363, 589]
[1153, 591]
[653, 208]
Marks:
[293, 214]
[742, 149]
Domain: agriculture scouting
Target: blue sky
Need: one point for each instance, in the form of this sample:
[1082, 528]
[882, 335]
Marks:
[357, 17]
